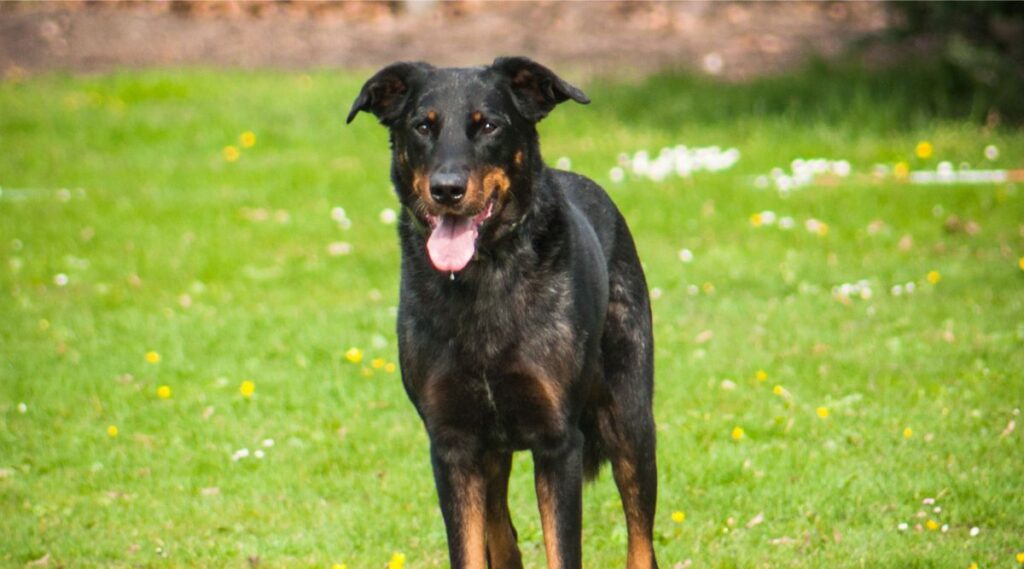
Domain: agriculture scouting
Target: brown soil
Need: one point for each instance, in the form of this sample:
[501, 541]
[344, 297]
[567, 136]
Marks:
[734, 40]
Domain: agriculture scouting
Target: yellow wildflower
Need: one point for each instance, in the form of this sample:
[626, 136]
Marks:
[354, 355]
[778, 390]
[339, 566]
[737, 433]
[377, 363]
[367, 372]
[1020, 557]
[1020, 263]
[761, 375]
[924, 150]
[230, 153]
[247, 389]
[153, 357]
[678, 517]
[112, 431]
[822, 229]
[397, 561]
[708, 288]
[390, 367]
[755, 219]
[908, 432]
[934, 277]
[163, 392]
[247, 139]
[973, 565]
[901, 170]
[932, 525]
[823, 412]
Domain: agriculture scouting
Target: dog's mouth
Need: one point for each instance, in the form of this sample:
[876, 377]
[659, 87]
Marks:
[452, 242]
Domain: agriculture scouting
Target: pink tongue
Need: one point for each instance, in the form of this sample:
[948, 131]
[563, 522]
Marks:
[452, 243]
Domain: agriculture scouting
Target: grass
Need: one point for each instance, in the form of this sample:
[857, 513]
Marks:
[119, 183]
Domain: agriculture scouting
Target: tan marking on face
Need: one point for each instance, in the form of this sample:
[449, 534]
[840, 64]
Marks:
[519, 158]
[477, 116]
[421, 185]
[432, 116]
[497, 180]
[548, 522]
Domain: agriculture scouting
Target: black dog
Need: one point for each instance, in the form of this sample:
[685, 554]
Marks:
[524, 320]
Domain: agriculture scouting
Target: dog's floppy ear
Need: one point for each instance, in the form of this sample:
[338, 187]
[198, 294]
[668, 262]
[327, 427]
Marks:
[535, 88]
[384, 94]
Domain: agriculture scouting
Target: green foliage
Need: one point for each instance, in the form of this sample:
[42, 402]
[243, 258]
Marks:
[119, 182]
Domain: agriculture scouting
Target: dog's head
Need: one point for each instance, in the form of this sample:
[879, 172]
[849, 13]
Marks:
[464, 145]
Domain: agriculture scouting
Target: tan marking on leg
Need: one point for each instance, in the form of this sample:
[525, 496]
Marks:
[641, 550]
[473, 528]
[549, 523]
[502, 549]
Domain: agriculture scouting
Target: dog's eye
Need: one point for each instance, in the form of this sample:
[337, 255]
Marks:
[488, 127]
[423, 128]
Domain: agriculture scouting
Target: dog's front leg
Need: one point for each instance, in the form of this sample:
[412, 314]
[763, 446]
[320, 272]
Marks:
[558, 476]
[462, 492]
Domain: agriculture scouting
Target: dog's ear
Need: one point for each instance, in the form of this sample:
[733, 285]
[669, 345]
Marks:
[535, 88]
[385, 93]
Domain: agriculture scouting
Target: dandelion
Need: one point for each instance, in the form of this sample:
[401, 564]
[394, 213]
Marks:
[934, 277]
[377, 363]
[924, 150]
[822, 412]
[1020, 263]
[247, 389]
[737, 433]
[678, 516]
[389, 367]
[163, 392]
[112, 431]
[247, 139]
[932, 525]
[708, 288]
[1020, 557]
[755, 220]
[761, 375]
[822, 229]
[354, 355]
[230, 153]
[908, 432]
[153, 357]
[339, 566]
[973, 565]
[778, 390]
[397, 561]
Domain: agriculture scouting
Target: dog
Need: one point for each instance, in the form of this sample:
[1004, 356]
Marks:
[524, 319]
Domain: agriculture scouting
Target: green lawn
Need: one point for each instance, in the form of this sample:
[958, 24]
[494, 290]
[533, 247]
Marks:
[125, 231]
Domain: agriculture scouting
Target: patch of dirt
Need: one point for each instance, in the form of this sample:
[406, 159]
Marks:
[732, 40]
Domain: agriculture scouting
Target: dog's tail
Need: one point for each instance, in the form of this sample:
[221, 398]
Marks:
[595, 448]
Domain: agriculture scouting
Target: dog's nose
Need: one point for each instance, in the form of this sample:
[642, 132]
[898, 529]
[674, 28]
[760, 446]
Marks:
[447, 188]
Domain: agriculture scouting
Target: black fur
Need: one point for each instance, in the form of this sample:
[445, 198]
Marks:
[542, 342]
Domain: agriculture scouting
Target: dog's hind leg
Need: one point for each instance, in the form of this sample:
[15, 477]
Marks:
[502, 551]
[635, 470]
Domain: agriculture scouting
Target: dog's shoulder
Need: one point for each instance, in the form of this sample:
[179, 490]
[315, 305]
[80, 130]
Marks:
[593, 202]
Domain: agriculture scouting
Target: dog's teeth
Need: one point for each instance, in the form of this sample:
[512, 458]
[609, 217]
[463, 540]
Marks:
[451, 276]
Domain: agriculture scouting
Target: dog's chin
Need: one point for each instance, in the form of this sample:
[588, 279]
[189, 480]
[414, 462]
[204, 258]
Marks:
[453, 238]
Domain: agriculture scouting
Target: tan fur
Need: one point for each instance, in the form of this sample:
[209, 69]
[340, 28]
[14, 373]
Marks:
[548, 522]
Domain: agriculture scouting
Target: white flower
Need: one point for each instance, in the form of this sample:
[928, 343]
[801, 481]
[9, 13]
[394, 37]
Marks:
[713, 63]
[258, 454]
[786, 223]
[339, 248]
[338, 214]
[388, 216]
[975, 531]
[655, 293]
[617, 174]
[563, 163]
[902, 527]
[22, 408]
[992, 152]
[685, 255]
[60, 279]
[268, 443]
